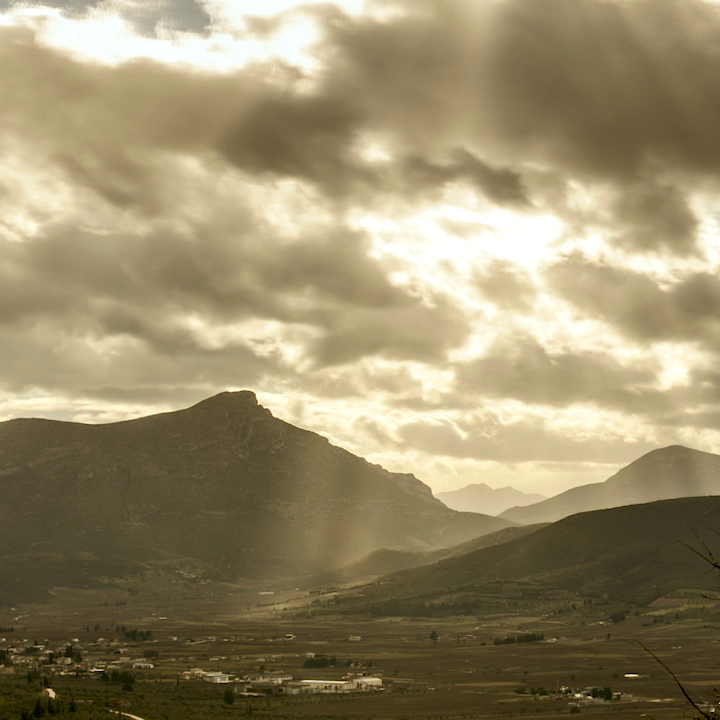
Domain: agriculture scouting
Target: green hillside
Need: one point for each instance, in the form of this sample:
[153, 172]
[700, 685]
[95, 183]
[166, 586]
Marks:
[631, 554]
[383, 562]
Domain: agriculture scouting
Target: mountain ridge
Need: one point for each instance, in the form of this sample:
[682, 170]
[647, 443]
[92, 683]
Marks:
[662, 474]
[632, 554]
[223, 486]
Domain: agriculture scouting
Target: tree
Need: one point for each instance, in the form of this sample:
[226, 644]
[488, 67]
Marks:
[229, 696]
[434, 636]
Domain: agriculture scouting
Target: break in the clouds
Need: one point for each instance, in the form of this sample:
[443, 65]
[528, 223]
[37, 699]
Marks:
[474, 240]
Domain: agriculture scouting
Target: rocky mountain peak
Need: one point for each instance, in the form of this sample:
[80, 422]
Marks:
[228, 400]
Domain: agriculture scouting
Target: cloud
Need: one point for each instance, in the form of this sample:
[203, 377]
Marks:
[501, 185]
[522, 369]
[507, 285]
[310, 137]
[637, 305]
[651, 216]
[608, 92]
[422, 332]
[172, 227]
[521, 441]
[146, 286]
[147, 18]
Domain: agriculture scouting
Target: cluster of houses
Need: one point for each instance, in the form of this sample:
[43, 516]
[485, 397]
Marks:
[591, 696]
[24, 655]
[279, 683]
[284, 685]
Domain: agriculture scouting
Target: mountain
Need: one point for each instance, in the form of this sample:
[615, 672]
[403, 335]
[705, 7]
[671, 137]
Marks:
[383, 562]
[481, 498]
[670, 472]
[632, 554]
[221, 488]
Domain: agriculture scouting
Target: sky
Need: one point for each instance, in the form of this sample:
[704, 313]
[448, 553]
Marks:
[475, 240]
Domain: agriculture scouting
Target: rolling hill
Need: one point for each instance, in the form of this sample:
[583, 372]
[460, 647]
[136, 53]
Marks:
[383, 562]
[670, 472]
[481, 498]
[222, 488]
[632, 554]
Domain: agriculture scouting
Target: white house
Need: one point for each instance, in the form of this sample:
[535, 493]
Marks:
[328, 686]
[368, 683]
[217, 677]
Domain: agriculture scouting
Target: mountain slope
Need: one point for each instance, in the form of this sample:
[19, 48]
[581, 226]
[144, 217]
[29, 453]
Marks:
[481, 498]
[670, 472]
[630, 554]
[383, 562]
[223, 485]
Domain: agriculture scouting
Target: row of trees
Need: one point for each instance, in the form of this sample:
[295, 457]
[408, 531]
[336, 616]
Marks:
[136, 634]
[522, 638]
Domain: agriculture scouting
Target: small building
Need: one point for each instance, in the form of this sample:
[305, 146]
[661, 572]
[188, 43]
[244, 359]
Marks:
[328, 686]
[218, 678]
[368, 683]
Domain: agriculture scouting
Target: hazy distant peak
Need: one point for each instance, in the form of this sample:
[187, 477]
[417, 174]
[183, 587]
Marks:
[671, 472]
[481, 498]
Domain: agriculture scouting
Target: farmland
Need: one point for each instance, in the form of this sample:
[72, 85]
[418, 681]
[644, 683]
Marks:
[462, 674]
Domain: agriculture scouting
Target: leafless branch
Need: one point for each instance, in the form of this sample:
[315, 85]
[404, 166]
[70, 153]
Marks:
[708, 556]
[704, 714]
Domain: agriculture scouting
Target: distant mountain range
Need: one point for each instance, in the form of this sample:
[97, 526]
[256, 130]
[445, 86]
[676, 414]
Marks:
[481, 498]
[629, 555]
[222, 488]
[670, 472]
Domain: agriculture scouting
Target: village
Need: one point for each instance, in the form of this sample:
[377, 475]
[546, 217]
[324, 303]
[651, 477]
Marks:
[116, 660]
[108, 660]
[299, 667]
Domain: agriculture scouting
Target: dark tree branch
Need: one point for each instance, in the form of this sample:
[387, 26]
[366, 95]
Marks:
[708, 556]
[704, 714]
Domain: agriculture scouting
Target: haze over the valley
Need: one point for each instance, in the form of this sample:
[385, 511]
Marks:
[473, 240]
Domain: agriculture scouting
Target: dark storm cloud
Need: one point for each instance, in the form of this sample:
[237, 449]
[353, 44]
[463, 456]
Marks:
[111, 128]
[607, 91]
[600, 89]
[501, 185]
[652, 216]
[115, 130]
[637, 305]
[525, 441]
[524, 370]
[142, 287]
[307, 137]
[608, 86]
[414, 332]
[49, 354]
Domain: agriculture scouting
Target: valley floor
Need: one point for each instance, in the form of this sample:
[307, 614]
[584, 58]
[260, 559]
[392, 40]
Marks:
[463, 674]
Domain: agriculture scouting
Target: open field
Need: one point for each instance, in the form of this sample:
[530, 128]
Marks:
[463, 674]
